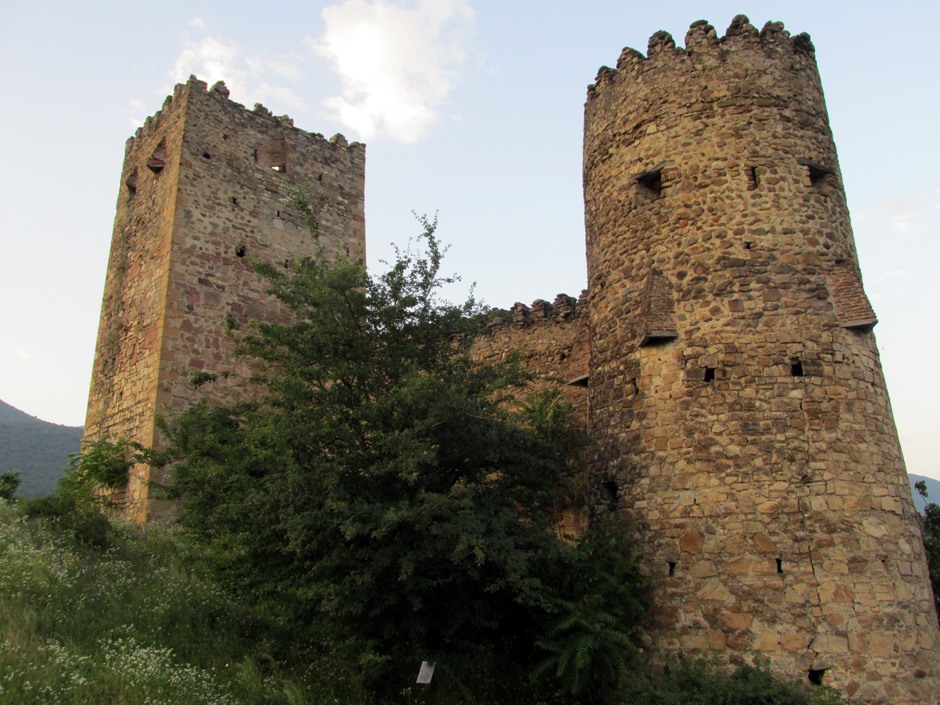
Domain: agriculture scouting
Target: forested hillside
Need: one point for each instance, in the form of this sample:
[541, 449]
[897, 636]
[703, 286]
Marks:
[39, 450]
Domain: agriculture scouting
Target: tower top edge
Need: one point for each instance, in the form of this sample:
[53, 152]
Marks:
[702, 38]
[220, 91]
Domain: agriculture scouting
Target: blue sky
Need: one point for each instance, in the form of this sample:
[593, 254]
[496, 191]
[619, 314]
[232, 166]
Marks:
[471, 108]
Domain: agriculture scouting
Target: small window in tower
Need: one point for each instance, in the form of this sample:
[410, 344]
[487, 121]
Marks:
[817, 174]
[273, 154]
[779, 565]
[752, 180]
[709, 374]
[796, 368]
[580, 381]
[610, 492]
[206, 155]
[816, 675]
[649, 184]
[158, 159]
[672, 568]
[240, 251]
[131, 181]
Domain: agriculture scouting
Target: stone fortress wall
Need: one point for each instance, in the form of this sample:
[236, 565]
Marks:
[206, 186]
[722, 356]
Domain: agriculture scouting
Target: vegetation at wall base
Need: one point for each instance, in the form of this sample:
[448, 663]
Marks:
[688, 681]
[386, 501]
[930, 525]
[383, 486]
[143, 622]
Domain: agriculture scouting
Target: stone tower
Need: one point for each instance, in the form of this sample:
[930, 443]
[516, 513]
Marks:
[206, 186]
[736, 394]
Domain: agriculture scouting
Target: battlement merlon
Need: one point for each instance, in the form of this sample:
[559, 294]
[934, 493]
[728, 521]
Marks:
[221, 91]
[703, 45]
[564, 308]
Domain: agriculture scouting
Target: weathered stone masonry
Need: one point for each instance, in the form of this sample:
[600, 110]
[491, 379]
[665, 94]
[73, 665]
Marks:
[206, 185]
[722, 357]
[736, 393]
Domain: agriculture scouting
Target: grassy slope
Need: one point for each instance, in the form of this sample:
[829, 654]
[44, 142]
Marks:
[131, 625]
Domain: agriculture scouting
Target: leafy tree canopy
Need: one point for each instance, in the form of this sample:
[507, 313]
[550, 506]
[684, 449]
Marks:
[382, 481]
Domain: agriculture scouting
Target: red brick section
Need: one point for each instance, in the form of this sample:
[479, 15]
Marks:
[852, 306]
[659, 315]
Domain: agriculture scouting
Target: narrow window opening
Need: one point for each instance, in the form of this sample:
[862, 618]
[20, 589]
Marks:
[277, 214]
[206, 155]
[131, 181]
[709, 374]
[816, 675]
[158, 159]
[320, 177]
[581, 381]
[610, 490]
[280, 168]
[779, 565]
[649, 184]
[234, 201]
[753, 182]
[796, 368]
[672, 568]
[819, 175]
[748, 245]
[240, 251]
[287, 264]
[634, 386]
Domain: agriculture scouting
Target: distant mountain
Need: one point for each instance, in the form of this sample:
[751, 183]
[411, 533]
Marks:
[39, 450]
[933, 492]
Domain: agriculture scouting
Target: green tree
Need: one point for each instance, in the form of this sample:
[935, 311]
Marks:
[383, 483]
[590, 642]
[9, 481]
[930, 525]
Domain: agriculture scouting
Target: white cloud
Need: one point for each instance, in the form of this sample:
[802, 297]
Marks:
[14, 351]
[197, 22]
[396, 64]
[280, 96]
[250, 79]
[895, 274]
[211, 60]
[285, 67]
[139, 111]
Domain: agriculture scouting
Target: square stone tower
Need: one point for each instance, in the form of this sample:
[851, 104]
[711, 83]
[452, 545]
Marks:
[207, 186]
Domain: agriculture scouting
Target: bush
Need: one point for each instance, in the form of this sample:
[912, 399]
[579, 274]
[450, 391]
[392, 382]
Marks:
[698, 682]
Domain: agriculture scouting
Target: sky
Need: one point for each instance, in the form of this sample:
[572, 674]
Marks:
[472, 109]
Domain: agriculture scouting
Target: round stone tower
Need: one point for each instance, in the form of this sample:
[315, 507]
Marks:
[736, 393]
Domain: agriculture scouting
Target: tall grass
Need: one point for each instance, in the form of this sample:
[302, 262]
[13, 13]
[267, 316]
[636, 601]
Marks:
[134, 624]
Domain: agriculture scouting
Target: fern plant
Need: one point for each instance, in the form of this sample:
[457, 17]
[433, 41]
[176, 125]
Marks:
[588, 647]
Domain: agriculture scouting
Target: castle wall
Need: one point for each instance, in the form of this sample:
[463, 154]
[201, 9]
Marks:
[550, 341]
[217, 194]
[736, 394]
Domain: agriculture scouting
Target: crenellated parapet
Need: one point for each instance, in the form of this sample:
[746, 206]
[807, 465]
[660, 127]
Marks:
[562, 309]
[703, 46]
